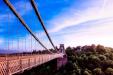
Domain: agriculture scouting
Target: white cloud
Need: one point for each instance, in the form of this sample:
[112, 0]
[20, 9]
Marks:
[28, 43]
[98, 20]
[96, 27]
[74, 17]
[9, 17]
[1, 41]
[23, 7]
[99, 33]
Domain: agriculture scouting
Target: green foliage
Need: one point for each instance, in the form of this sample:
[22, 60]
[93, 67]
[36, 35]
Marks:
[109, 71]
[102, 57]
[90, 60]
[86, 73]
[100, 49]
[87, 60]
[98, 71]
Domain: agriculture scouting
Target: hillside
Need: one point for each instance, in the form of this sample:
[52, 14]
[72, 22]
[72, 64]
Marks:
[88, 60]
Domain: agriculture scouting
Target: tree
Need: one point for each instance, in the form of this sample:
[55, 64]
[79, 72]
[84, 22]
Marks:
[102, 57]
[100, 49]
[93, 61]
[109, 71]
[69, 51]
[98, 71]
[78, 71]
[93, 48]
[87, 72]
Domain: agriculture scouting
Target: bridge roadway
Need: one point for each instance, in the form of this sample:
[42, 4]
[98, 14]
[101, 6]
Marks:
[15, 64]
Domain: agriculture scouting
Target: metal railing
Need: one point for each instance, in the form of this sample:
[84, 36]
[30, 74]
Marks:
[9, 67]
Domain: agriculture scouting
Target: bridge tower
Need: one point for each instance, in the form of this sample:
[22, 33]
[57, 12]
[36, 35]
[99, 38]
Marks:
[62, 49]
[63, 60]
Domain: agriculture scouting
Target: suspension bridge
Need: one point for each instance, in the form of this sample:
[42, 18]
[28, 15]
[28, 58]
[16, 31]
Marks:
[14, 64]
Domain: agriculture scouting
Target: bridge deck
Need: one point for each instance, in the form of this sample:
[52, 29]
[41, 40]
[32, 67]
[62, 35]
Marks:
[16, 64]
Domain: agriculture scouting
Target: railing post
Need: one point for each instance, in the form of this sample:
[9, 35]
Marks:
[35, 61]
[29, 62]
[42, 59]
[20, 62]
[39, 60]
[7, 67]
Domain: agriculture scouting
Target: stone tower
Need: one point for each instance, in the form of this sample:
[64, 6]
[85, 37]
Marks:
[62, 49]
[62, 60]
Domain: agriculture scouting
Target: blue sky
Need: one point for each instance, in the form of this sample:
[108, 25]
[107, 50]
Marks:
[72, 22]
